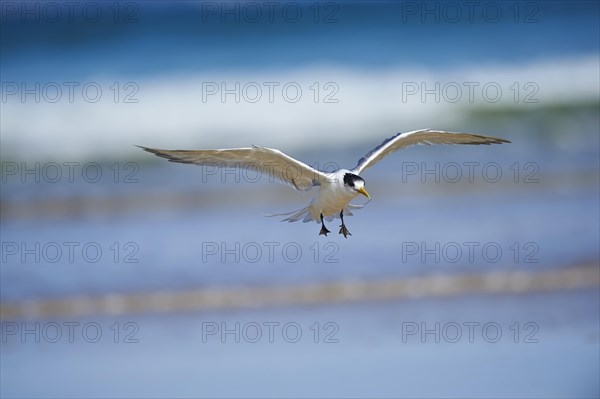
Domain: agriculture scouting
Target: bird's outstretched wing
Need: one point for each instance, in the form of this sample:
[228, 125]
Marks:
[265, 160]
[426, 136]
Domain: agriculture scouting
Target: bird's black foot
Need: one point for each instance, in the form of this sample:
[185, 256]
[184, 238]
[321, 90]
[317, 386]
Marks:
[324, 230]
[344, 231]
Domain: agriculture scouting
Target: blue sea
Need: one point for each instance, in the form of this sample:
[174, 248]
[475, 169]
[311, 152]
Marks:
[86, 214]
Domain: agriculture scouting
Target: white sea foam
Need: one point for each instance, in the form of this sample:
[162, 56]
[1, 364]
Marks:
[172, 112]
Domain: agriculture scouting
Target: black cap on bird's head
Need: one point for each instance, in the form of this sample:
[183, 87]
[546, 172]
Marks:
[356, 183]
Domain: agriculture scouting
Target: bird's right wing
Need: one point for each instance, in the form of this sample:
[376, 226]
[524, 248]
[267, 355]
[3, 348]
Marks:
[265, 160]
[425, 136]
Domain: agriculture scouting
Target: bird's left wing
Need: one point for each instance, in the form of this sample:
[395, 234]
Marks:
[265, 160]
[426, 136]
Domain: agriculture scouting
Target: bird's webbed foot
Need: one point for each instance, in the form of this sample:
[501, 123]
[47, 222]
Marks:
[344, 231]
[324, 231]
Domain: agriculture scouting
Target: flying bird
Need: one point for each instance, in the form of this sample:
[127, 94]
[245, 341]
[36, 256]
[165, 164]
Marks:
[335, 189]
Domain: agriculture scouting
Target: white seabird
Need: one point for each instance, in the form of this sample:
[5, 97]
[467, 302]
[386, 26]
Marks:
[336, 189]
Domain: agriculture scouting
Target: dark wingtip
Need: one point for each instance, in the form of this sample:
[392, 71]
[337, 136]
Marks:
[493, 140]
[144, 148]
[151, 150]
[162, 154]
[499, 141]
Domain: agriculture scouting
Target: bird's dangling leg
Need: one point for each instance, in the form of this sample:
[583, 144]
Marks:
[324, 230]
[343, 229]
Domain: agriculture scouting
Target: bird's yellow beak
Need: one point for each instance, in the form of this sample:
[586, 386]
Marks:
[364, 192]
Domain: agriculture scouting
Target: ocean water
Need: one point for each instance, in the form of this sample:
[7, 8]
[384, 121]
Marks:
[149, 226]
[513, 210]
[184, 228]
[326, 351]
[160, 78]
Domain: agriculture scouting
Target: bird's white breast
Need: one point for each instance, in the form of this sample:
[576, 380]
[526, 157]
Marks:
[332, 196]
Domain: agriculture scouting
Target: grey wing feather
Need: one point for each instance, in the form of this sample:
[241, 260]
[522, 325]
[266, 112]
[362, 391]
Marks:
[265, 160]
[425, 136]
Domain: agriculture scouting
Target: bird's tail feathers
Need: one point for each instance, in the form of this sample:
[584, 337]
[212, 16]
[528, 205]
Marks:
[306, 215]
[294, 216]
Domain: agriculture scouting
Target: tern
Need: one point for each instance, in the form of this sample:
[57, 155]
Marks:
[335, 189]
